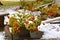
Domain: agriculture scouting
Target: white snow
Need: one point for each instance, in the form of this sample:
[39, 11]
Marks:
[2, 35]
[50, 30]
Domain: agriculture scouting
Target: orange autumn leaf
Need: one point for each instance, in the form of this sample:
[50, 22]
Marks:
[36, 29]
[16, 24]
[37, 1]
[33, 17]
[18, 31]
[26, 22]
[30, 6]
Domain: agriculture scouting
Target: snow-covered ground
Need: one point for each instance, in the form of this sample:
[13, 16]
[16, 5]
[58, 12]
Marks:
[50, 30]
[2, 35]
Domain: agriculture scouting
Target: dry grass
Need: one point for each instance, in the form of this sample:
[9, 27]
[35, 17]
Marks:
[10, 3]
[13, 3]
